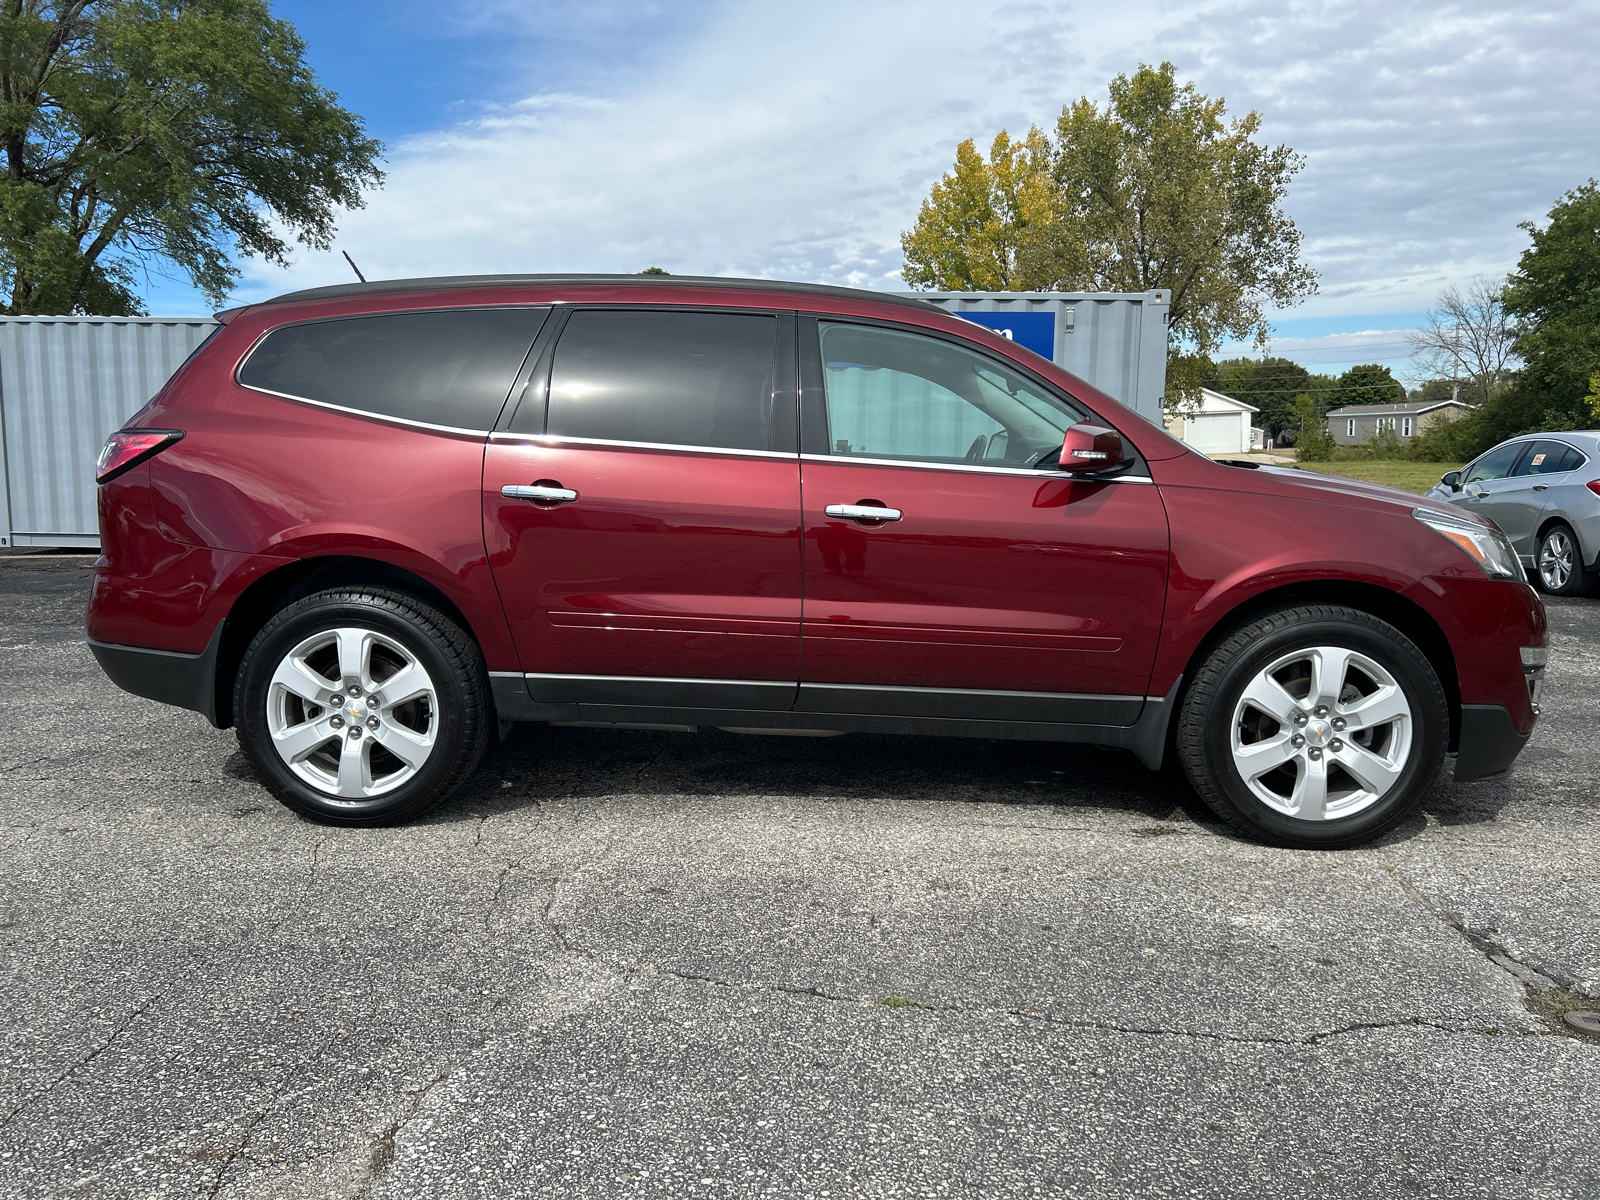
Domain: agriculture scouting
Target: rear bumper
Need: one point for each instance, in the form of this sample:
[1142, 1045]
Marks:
[185, 680]
[1490, 742]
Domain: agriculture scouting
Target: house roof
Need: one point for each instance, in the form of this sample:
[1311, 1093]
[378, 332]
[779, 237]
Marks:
[1410, 408]
[1216, 400]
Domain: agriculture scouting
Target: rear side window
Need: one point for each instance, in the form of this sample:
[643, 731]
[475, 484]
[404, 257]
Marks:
[676, 378]
[451, 367]
[1548, 458]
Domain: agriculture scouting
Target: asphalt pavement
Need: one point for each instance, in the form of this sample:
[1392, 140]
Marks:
[683, 965]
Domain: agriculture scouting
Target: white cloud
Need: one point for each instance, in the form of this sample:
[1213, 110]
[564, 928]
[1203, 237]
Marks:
[796, 142]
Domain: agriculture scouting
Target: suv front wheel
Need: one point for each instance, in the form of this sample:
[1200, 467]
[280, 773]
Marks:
[1314, 727]
[362, 706]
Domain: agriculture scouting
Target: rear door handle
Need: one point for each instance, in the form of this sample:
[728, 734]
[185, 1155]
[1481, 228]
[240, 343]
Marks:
[863, 512]
[1541, 487]
[545, 492]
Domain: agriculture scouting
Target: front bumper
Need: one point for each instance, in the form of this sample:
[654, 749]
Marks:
[1490, 743]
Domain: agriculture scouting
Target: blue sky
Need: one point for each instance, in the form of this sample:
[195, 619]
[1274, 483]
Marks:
[773, 139]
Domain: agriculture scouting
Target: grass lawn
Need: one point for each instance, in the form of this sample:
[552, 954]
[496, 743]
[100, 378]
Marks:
[1408, 476]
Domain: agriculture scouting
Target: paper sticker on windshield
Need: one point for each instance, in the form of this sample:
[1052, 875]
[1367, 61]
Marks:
[1537, 459]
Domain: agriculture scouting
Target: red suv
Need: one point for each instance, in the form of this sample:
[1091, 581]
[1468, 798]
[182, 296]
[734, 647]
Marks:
[365, 524]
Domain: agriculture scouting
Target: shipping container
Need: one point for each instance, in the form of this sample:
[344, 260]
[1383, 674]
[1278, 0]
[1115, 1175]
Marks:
[65, 383]
[1116, 341]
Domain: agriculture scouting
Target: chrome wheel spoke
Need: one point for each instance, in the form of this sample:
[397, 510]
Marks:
[1310, 796]
[1329, 666]
[409, 682]
[355, 655]
[1257, 758]
[295, 677]
[1383, 706]
[1372, 772]
[296, 742]
[1267, 694]
[405, 744]
[355, 769]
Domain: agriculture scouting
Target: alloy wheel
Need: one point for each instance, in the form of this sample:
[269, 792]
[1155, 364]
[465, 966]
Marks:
[1556, 560]
[1321, 733]
[352, 713]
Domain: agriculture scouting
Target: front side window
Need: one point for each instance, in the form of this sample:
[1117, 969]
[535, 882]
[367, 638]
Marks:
[1496, 464]
[451, 367]
[892, 394]
[672, 378]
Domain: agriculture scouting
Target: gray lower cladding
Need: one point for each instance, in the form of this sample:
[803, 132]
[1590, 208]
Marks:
[1136, 723]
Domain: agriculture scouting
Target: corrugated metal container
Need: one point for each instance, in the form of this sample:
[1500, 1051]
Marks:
[65, 383]
[1115, 340]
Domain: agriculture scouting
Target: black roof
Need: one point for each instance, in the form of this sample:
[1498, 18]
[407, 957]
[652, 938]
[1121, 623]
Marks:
[379, 287]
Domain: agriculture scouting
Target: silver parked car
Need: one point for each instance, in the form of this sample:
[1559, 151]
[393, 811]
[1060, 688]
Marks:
[1543, 489]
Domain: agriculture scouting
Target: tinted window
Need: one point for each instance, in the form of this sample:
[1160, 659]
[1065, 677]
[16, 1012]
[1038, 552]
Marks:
[892, 394]
[678, 378]
[1496, 464]
[444, 368]
[1572, 459]
[1546, 458]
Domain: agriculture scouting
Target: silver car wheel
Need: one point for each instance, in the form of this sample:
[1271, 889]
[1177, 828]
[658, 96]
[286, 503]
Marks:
[352, 713]
[1322, 733]
[1556, 557]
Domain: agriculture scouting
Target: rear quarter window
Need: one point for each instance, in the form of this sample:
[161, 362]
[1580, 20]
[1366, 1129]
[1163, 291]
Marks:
[450, 367]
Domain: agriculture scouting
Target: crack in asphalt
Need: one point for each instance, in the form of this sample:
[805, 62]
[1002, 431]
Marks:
[382, 1157]
[1067, 1022]
[81, 1063]
[1487, 942]
[237, 1151]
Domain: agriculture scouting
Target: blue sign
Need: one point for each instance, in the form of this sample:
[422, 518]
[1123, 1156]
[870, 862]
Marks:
[1035, 330]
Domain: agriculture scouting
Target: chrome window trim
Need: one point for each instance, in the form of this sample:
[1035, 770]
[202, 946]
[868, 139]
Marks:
[553, 439]
[938, 691]
[361, 412]
[929, 466]
[777, 683]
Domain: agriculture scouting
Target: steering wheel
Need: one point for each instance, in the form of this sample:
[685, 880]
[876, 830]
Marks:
[979, 445]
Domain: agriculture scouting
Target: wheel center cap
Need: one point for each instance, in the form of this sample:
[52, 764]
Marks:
[355, 711]
[1318, 733]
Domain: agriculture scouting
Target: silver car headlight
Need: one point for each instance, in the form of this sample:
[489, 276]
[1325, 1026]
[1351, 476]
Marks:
[1484, 544]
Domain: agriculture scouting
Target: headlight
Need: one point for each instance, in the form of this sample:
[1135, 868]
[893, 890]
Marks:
[1488, 547]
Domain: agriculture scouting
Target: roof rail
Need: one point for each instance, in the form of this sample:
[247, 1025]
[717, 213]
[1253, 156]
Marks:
[379, 287]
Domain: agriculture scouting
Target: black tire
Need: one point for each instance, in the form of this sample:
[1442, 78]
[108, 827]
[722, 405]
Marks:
[1577, 581]
[459, 717]
[1207, 714]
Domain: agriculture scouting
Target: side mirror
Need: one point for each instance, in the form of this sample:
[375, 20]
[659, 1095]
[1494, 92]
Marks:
[1088, 449]
[1451, 480]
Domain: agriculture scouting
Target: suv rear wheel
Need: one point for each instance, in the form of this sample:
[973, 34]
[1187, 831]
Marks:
[362, 706]
[1315, 727]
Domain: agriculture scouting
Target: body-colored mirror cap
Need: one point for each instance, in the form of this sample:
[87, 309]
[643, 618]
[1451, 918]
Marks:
[1091, 448]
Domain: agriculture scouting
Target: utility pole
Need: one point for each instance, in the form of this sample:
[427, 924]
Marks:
[1455, 366]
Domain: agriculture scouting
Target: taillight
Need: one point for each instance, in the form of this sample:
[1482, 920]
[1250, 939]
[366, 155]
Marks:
[1594, 486]
[127, 448]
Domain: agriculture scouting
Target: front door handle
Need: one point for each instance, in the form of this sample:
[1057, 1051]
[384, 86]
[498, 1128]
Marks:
[863, 512]
[546, 491]
[1479, 495]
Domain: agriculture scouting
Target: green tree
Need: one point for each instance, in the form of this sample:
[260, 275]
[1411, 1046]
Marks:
[1268, 384]
[136, 131]
[1554, 297]
[1313, 443]
[655, 271]
[1154, 192]
[1368, 384]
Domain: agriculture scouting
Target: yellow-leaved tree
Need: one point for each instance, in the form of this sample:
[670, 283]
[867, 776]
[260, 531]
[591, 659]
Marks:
[1154, 191]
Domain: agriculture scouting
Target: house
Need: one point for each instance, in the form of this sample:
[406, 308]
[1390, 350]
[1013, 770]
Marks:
[1355, 424]
[1220, 426]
